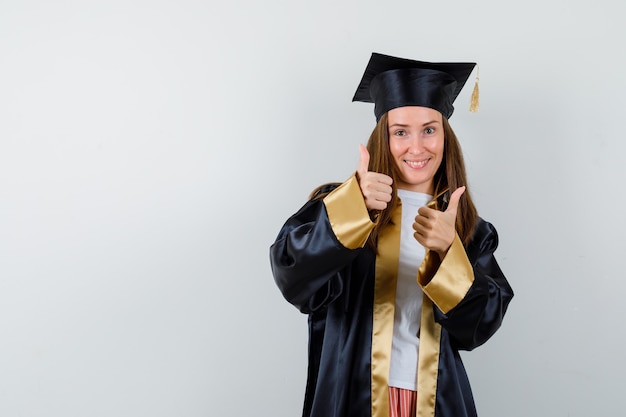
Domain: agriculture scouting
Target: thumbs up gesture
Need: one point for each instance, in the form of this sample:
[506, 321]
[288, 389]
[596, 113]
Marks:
[434, 229]
[375, 187]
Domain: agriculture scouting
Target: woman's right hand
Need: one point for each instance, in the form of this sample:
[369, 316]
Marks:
[375, 187]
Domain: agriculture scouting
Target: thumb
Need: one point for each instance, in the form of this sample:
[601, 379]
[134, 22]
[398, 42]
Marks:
[364, 161]
[454, 199]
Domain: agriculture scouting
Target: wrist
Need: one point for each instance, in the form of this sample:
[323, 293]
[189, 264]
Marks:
[443, 252]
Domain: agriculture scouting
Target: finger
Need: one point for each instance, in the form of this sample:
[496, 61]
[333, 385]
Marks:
[381, 196]
[375, 183]
[454, 199]
[364, 160]
[382, 178]
[420, 238]
[426, 211]
[377, 205]
[421, 224]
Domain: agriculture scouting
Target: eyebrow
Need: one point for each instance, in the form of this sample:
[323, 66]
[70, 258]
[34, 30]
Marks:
[406, 125]
[398, 125]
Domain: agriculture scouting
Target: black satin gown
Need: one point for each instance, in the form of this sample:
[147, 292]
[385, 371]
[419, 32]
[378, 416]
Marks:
[334, 285]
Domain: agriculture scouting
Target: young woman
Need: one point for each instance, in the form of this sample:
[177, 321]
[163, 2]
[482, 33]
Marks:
[394, 267]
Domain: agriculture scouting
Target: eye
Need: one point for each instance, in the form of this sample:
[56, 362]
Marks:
[429, 130]
[400, 132]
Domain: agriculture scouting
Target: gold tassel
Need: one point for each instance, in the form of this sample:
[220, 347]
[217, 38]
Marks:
[474, 100]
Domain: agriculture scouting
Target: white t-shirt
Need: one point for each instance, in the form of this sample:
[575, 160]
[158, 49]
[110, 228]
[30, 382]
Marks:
[403, 367]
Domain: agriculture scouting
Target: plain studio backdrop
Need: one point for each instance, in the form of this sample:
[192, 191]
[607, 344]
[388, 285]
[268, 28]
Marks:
[151, 150]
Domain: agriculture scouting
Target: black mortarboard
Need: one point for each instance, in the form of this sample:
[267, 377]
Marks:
[391, 82]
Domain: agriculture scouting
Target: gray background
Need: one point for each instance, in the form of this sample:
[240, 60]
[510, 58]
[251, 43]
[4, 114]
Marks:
[151, 150]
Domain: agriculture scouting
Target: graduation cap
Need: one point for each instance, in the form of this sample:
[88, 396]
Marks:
[391, 82]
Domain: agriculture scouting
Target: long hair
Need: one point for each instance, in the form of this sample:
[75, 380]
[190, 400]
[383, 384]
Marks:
[450, 176]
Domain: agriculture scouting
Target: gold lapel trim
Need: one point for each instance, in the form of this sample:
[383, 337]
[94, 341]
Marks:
[384, 306]
[428, 359]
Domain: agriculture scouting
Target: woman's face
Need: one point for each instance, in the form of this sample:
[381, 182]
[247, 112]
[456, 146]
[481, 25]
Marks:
[416, 142]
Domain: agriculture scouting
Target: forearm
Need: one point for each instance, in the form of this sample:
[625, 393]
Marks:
[316, 243]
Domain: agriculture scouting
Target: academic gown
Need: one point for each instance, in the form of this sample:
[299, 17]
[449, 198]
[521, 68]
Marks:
[322, 266]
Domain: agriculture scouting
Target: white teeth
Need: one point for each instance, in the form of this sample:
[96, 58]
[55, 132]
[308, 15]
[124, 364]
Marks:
[416, 164]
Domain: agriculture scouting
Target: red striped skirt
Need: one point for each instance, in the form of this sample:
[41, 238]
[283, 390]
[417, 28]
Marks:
[402, 402]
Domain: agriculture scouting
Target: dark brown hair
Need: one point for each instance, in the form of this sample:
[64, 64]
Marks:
[450, 176]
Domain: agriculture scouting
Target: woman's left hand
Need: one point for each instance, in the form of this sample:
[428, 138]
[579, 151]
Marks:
[434, 229]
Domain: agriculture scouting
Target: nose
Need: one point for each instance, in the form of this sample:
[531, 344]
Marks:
[415, 145]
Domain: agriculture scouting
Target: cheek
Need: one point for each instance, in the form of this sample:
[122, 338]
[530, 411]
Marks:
[438, 148]
[395, 148]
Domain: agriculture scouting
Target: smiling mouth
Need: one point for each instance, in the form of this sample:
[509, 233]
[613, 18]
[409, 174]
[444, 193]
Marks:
[416, 164]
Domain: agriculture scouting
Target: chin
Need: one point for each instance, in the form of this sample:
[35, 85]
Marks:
[419, 185]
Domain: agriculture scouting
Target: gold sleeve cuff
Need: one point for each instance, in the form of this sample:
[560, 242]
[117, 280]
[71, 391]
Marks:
[447, 284]
[348, 215]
